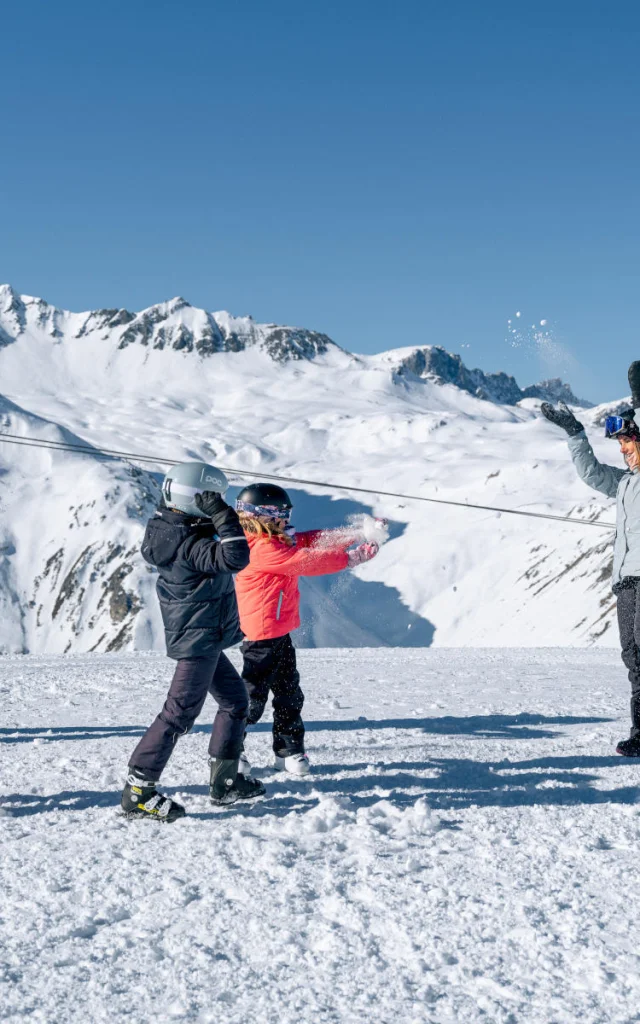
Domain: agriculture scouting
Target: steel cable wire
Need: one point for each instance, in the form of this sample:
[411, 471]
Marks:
[114, 453]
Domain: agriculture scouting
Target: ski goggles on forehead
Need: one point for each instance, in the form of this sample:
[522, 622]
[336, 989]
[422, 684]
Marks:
[621, 426]
[266, 511]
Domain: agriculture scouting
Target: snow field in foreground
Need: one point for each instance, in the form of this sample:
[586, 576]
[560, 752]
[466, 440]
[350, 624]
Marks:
[465, 850]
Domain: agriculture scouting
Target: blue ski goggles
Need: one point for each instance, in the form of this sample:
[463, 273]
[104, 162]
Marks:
[613, 425]
[621, 426]
[264, 511]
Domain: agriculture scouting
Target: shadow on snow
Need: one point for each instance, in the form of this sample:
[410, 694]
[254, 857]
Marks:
[448, 784]
[452, 784]
[523, 726]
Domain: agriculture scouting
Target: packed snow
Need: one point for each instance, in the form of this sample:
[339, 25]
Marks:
[465, 849]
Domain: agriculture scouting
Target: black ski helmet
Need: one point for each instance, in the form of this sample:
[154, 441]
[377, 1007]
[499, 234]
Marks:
[260, 495]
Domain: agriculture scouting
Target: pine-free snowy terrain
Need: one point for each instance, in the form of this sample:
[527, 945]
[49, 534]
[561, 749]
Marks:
[185, 384]
[465, 851]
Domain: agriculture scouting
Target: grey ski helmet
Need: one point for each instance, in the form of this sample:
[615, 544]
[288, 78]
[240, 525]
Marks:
[183, 482]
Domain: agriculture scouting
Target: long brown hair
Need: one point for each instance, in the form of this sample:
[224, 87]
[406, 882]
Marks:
[262, 526]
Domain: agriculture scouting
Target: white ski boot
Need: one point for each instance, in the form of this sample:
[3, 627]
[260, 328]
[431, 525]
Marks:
[295, 764]
[244, 764]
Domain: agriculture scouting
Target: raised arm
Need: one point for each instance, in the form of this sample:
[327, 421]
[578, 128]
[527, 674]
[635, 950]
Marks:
[228, 554]
[297, 561]
[335, 539]
[596, 474]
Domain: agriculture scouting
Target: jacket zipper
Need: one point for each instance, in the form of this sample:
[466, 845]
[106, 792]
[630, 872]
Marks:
[624, 525]
[280, 599]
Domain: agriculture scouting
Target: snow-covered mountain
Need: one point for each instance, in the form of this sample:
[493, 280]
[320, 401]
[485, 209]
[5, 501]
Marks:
[430, 362]
[175, 325]
[180, 383]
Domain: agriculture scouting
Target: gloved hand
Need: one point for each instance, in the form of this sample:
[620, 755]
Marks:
[634, 383]
[363, 553]
[562, 417]
[210, 503]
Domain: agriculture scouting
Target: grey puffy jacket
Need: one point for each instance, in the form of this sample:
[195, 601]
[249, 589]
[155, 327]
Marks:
[624, 486]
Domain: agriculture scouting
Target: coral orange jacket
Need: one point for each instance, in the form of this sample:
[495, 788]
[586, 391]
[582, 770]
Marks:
[267, 590]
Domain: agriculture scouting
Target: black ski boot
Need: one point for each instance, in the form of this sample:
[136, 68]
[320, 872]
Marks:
[227, 784]
[248, 787]
[630, 747]
[140, 799]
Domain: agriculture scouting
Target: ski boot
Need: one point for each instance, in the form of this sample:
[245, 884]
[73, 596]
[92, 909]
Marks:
[140, 799]
[227, 784]
[630, 747]
[295, 764]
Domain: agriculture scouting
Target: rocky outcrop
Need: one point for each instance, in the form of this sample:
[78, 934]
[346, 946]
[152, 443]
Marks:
[436, 364]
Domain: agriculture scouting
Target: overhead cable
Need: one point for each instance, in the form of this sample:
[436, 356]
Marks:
[114, 453]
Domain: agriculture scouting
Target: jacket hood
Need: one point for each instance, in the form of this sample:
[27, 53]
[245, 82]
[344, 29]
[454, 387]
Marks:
[165, 533]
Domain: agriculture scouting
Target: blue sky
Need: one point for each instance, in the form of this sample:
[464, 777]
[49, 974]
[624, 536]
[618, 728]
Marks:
[390, 173]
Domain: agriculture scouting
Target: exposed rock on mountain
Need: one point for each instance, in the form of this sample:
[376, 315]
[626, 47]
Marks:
[434, 363]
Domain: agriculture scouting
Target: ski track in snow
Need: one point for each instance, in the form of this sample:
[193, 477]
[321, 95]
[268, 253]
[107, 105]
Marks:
[465, 850]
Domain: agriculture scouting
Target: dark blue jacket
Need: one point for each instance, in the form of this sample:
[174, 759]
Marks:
[195, 559]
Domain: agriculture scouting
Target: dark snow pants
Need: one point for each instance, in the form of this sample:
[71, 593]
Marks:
[270, 666]
[193, 679]
[628, 594]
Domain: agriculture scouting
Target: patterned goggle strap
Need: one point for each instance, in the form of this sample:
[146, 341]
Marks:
[621, 426]
[264, 511]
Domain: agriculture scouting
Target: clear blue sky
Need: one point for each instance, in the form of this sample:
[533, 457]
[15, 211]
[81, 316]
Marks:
[392, 173]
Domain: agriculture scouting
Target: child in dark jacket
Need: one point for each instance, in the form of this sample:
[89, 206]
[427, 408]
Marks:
[269, 603]
[196, 542]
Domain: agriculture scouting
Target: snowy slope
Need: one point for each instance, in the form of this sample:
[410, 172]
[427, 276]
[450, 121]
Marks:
[466, 851]
[70, 571]
[184, 383]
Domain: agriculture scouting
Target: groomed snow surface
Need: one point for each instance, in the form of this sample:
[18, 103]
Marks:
[465, 850]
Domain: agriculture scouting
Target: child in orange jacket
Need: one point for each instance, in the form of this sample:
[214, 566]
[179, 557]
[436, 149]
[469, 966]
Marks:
[269, 605]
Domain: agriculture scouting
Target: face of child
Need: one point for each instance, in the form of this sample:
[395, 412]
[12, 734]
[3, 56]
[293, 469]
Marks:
[629, 449]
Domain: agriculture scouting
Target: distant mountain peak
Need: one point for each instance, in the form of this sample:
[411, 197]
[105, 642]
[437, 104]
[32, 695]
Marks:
[434, 363]
[174, 324]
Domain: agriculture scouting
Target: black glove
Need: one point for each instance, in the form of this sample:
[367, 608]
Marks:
[210, 503]
[562, 417]
[634, 383]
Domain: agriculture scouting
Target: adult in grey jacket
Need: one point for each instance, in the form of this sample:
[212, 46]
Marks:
[195, 555]
[624, 486]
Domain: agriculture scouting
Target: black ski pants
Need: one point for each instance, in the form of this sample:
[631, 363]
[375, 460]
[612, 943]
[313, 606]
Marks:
[270, 666]
[193, 679]
[629, 624]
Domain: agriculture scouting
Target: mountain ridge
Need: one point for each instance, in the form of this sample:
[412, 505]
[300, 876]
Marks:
[434, 363]
[176, 324]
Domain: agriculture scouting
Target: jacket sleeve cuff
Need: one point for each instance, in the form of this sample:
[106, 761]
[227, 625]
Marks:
[581, 436]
